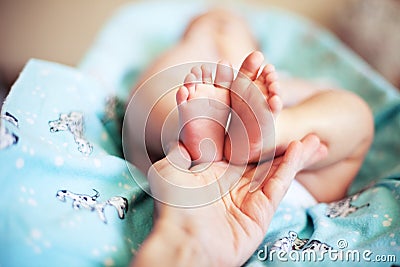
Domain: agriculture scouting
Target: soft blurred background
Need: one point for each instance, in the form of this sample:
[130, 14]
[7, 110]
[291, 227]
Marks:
[62, 31]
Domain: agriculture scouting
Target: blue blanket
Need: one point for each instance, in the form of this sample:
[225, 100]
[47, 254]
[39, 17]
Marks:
[68, 197]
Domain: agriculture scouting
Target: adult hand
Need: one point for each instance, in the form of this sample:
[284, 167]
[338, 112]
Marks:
[227, 231]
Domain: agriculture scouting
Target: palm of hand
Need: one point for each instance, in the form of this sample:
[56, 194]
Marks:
[230, 229]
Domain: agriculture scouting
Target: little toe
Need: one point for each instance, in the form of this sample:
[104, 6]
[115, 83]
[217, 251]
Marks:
[223, 75]
[251, 65]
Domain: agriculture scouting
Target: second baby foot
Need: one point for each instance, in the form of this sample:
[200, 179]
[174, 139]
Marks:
[203, 106]
[255, 104]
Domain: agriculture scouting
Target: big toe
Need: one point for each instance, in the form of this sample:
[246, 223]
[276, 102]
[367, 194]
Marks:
[251, 65]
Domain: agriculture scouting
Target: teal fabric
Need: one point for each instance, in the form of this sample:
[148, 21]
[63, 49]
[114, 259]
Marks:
[37, 229]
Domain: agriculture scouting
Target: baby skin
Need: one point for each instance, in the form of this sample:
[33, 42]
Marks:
[264, 121]
[204, 107]
[266, 115]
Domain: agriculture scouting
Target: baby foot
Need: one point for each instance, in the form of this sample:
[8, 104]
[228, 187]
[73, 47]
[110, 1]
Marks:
[255, 104]
[203, 107]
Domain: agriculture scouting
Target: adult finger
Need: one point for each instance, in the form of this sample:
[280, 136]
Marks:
[276, 186]
[313, 151]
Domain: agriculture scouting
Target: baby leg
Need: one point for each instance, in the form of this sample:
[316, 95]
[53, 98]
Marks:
[211, 37]
[344, 123]
[341, 120]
